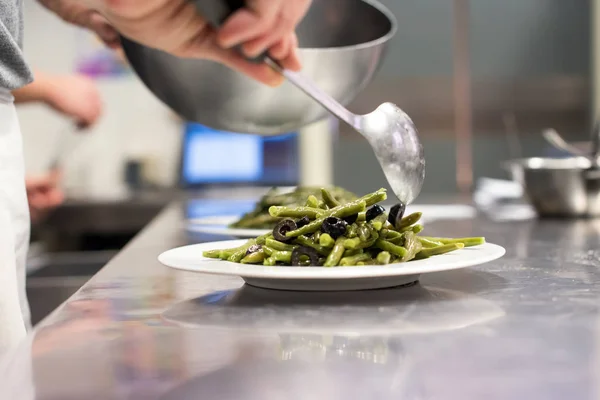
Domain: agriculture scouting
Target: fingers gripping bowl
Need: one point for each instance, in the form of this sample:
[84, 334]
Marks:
[342, 43]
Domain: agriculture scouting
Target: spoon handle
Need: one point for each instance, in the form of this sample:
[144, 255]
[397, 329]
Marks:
[321, 97]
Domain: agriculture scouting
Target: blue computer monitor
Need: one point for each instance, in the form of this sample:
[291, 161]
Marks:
[212, 157]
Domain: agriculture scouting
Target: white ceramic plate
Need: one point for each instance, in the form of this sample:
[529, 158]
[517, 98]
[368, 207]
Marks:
[219, 225]
[190, 258]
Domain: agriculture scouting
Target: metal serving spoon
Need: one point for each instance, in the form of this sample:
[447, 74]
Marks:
[389, 130]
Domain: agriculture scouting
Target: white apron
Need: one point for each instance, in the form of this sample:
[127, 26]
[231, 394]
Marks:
[14, 228]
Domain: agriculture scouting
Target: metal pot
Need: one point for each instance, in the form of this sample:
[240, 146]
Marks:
[342, 43]
[559, 187]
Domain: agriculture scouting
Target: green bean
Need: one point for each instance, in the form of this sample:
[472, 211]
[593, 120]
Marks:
[384, 258]
[212, 254]
[263, 239]
[390, 248]
[354, 207]
[352, 231]
[351, 244]
[326, 240]
[467, 241]
[268, 250]
[356, 243]
[364, 233]
[226, 253]
[353, 252]
[259, 221]
[340, 212]
[398, 240]
[389, 234]
[410, 220]
[279, 246]
[241, 251]
[428, 243]
[312, 202]
[412, 246]
[323, 206]
[254, 258]
[370, 261]
[296, 212]
[316, 236]
[374, 198]
[282, 256]
[378, 221]
[329, 199]
[353, 260]
[434, 251]
[269, 262]
[336, 253]
[362, 217]
[416, 229]
[304, 241]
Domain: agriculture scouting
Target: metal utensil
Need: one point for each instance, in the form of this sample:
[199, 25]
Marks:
[389, 130]
[342, 43]
[558, 187]
[559, 143]
[62, 148]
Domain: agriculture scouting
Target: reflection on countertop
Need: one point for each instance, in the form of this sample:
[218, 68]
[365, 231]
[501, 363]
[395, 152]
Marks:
[524, 326]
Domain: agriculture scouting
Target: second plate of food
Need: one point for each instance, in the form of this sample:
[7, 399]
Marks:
[224, 224]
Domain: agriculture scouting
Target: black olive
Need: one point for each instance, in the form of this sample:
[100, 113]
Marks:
[253, 249]
[396, 214]
[300, 253]
[284, 226]
[374, 212]
[334, 226]
[351, 219]
[302, 222]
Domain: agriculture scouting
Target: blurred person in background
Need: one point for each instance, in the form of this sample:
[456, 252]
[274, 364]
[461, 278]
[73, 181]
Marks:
[173, 26]
[74, 96]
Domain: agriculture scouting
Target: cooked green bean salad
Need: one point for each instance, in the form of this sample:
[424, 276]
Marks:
[260, 218]
[325, 232]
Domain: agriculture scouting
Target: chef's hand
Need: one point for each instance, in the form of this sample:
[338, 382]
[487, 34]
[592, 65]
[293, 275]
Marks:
[174, 26]
[74, 96]
[43, 194]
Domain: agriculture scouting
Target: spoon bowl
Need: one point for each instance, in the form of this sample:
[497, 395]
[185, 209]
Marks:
[395, 142]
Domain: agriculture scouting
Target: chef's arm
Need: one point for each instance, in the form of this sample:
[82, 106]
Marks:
[74, 96]
[41, 90]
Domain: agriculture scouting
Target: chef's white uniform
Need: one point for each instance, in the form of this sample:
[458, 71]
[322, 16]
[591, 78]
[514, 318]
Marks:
[14, 227]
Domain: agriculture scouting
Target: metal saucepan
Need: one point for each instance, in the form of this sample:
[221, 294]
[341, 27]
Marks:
[559, 187]
[342, 43]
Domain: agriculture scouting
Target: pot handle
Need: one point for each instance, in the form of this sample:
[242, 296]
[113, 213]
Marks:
[596, 143]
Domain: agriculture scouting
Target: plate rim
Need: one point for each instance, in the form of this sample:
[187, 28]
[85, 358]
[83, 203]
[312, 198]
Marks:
[310, 273]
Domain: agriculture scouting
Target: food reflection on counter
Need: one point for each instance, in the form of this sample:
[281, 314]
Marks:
[260, 218]
[324, 231]
[322, 347]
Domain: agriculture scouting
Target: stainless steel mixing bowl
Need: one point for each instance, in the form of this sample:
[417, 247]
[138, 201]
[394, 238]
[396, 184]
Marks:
[342, 43]
[559, 187]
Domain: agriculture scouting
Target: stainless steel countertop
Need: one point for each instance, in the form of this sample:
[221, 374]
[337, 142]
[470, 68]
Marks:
[523, 327]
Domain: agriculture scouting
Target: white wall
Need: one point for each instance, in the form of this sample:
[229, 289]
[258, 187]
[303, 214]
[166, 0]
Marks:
[134, 122]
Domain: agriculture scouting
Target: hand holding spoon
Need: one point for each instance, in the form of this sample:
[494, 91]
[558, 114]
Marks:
[389, 130]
